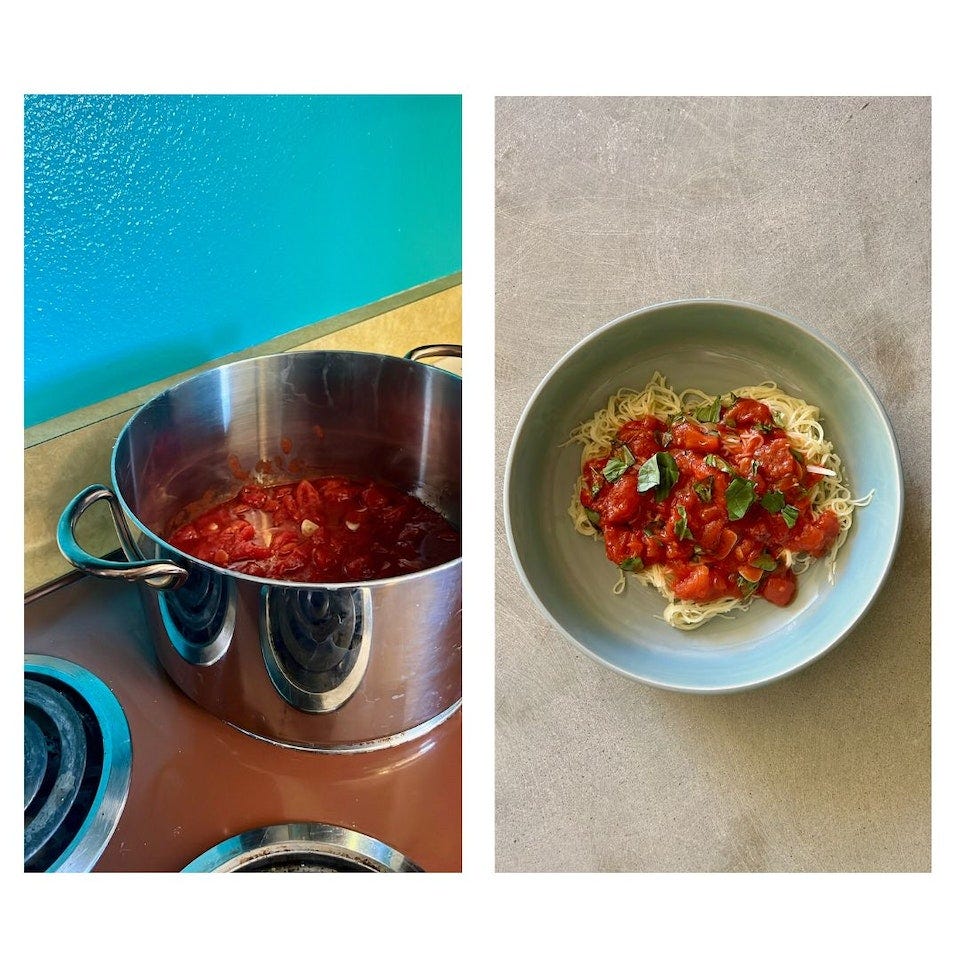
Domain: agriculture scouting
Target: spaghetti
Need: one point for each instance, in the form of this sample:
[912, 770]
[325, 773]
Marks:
[712, 500]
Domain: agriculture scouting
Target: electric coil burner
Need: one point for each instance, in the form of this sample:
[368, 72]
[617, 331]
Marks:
[302, 848]
[126, 773]
[76, 757]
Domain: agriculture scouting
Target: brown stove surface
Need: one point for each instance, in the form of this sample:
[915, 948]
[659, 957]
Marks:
[197, 781]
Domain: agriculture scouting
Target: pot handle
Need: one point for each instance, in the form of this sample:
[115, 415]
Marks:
[434, 350]
[159, 574]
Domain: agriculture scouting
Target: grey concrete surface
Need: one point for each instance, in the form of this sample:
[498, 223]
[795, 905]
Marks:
[818, 208]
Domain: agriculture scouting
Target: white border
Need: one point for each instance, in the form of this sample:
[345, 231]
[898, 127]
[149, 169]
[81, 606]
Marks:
[484, 50]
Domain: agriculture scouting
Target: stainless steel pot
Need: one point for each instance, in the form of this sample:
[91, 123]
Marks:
[326, 666]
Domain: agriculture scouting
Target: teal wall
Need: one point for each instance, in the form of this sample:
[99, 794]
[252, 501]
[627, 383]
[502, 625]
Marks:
[162, 232]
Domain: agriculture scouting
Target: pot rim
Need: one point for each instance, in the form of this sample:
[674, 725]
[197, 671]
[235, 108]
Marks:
[223, 571]
[288, 353]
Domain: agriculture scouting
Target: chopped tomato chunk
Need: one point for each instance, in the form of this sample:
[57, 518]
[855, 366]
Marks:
[699, 583]
[749, 413]
[778, 463]
[816, 536]
[620, 502]
[642, 436]
[688, 437]
[779, 589]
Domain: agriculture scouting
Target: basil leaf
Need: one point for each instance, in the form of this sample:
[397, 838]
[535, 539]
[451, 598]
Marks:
[709, 412]
[669, 475]
[616, 467]
[718, 463]
[772, 501]
[764, 562]
[754, 467]
[798, 456]
[746, 587]
[704, 489]
[631, 564]
[740, 495]
[594, 518]
[680, 527]
[790, 515]
[660, 472]
[648, 476]
[595, 489]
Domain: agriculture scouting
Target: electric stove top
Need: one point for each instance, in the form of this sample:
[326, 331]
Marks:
[123, 772]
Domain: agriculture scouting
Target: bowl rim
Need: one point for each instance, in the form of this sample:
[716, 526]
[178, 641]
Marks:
[774, 675]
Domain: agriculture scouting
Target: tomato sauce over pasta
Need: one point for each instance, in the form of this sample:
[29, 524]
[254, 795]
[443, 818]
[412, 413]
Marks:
[719, 499]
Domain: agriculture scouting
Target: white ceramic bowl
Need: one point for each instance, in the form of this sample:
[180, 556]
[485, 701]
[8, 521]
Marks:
[715, 345]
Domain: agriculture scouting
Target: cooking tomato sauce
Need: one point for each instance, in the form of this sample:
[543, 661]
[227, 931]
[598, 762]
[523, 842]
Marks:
[327, 530]
[715, 498]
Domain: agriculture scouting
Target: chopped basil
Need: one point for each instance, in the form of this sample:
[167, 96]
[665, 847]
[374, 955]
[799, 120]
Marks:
[764, 562]
[798, 456]
[746, 587]
[669, 475]
[790, 515]
[595, 489]
[764, 427]
[680, 527]
[617, 466]
[740, 494]
[631, 564]
[754, 467]
[594, 518]
[772, 501]
[718, 463]
[660, 472]
[778, 418]
[648, 476]
[709, 412]
[704, 489]
[652, 528]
